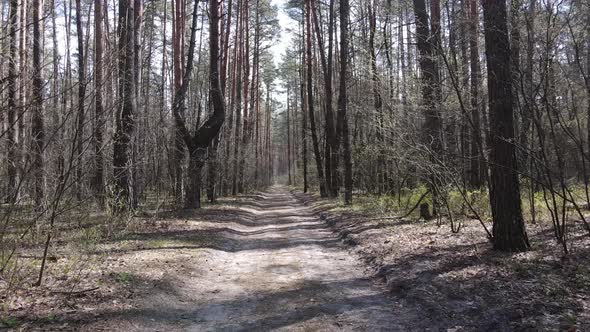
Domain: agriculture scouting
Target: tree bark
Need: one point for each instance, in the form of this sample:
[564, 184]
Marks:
[98, 103]
[343, 100]
[37, 127]
[476, 178]
[303, 106]
[310, 102]
[81, 94]
[178, 32]
[509, 232]
[198, 143]
[431, 91]
[11, 147]
[238, 100]
[330, 132]
[290, 180]
[377, 98]
[124, 121]
[246, 85]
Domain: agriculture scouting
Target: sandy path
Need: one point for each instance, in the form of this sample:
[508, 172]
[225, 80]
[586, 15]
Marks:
[280, 269]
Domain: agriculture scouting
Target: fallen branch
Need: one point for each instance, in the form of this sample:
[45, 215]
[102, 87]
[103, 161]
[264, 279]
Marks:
[75, 292]
[386, 218]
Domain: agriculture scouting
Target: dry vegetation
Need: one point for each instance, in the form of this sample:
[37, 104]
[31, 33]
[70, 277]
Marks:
[458, 277]
[103, 269]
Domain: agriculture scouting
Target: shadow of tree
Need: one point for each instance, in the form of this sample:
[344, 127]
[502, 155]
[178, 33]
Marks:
[309, 300]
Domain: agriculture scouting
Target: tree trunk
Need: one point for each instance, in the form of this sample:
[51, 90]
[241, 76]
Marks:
[197, 144]
[163, 80]
[290, 180]
[431, 91]
[303, 130]
[124, 123]
[377, 98]
[178, 31]
[303, 106]
[37, 127]
[476, 178]
[342, 101]
[193, 188]
[81, 93]
[310, 105]
[238, 101]
[326, 61]
[245, 131]
[11, 148]
[509, 232]
[98, 103]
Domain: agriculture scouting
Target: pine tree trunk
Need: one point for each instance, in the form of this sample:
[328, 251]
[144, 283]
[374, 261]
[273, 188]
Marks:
[124, 123]
[343, 100]
[509, 232]
[476, 171]
[238, 100]
[290, 180]
[303, 107]
[178, 31]
[431, 92]
[11, 148]
[98, 104]
[37, 127]
[310, 103]
[246, 85]
[81, 93]
[197, 144]
[193, 188]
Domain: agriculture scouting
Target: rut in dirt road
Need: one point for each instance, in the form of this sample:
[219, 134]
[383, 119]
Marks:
[277, 267]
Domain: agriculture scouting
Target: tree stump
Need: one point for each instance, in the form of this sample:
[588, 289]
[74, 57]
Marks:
[425, 211]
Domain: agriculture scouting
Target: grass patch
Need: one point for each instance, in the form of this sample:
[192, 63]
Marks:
[159, 243]
[123, 277]
[460, 203]
[9, 322]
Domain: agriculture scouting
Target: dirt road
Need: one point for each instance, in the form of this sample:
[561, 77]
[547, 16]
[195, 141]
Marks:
[272, 266]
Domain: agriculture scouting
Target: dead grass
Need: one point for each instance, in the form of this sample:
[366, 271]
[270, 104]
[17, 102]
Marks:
[458, 277]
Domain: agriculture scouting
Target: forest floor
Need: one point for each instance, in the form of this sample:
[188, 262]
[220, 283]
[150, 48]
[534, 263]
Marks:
[459, 283]
[282, 260]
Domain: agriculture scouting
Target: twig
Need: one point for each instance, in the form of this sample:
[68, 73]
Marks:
[75, 292]
[386, 218]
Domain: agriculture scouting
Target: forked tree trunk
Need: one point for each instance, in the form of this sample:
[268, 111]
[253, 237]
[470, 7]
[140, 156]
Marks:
[198, 143]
